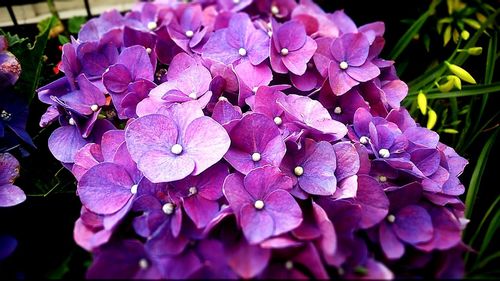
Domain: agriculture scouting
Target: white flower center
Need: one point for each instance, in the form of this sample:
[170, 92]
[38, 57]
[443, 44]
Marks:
[259, 204]
[289, 265]
[343, 65]
[242, 52]
[284, 52]
[275, 10]
[176, 149]
[391, 218]
[337, 110]
[143, 263]
[384, 153]
[236, 1]
[363, 140]
[133, 189]
[254, 89]
[221, 98]
[94, 107]
[5, 115]
[193, 190]
[277, 120]
[192, 95]
[256, 157]
[382, 178]
[148, 50]
[152, 25]
[270, 33]
[71, 121]
[189, 33]
[298, 171]
[168, 208]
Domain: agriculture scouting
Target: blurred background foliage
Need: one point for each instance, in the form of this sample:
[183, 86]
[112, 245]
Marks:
[445, 50]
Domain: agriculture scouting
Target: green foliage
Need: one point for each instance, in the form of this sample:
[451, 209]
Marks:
[30, 56]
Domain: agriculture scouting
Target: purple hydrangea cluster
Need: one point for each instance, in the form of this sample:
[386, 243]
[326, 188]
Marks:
[249, 139]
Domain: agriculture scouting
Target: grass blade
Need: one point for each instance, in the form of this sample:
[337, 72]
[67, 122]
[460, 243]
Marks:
[475, 181]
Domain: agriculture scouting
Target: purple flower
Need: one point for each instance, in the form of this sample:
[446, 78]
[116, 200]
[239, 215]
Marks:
[406, 223]
[262, 203]
[199, 194]
[291, 48]
[312, 168]
[111, 262]
[240, 41]
[10, 194]
[178, 143]
[305, 113]
[13, 119]
[374, 202]
[345, 60]
[10, 68]
[250, 78]
[187, 31]
[129, 78]
[278, 8]
[8, 245]
[255, 142]
[342, 108]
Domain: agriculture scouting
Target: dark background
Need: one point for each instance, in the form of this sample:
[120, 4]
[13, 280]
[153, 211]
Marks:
[43, 226]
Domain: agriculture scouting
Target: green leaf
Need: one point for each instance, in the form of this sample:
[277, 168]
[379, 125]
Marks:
[75, 23]
[62, 39]
[477, 174]
[405, 40]
[470, 90]
[12, 39]
[490, 233]
[483, 221]
[30, 57]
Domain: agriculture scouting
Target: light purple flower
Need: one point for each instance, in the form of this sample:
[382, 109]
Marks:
[262, 203]
[178, 143]
[10, 194]
[240, 41]
[291, 48]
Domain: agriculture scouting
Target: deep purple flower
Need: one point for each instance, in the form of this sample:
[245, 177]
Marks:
[240, 41]
[130, 77]
[277, 8]
[124, 259]
[10, 194]
[250, 78]
[262, 203]
[255, 142]
[373, 200]
[8, 245]
[13, 119]
[291, 48]
[178, 143]
[199, 194]
[187, 31]
[342, 108]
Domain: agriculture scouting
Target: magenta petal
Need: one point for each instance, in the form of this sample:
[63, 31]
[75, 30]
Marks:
[11, 195]
[352, 48]
[374, 202]
[413, 224]
[235, 192]
[447, 232]
[319, 170]
[263, 180]
[323, 56]
[296, 61]
[348, 162]
[291, 35]
[160, 166]
[205, 151]
[340, 81]
[86, 158]
[257, 225]
[9, 168]
[248, 260]
[110, 142]
[64, 142]
[105, 188]
[395, 91]
[153, 131]
[392, 247]
[200, 210]
[117, 78]
[284, 211]
[364, 72]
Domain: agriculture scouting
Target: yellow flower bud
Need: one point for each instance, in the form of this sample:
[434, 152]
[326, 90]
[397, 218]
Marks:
[472, 23]
[461, 73]
[450, 131]
[465, 34]
[446, 86]
[422, 102]
[475, 51]
[431, 121]
[456, 81]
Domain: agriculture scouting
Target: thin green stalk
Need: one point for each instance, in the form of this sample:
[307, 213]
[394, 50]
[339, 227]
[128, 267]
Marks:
[475, 181]
[469, 90]
[412, 31]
